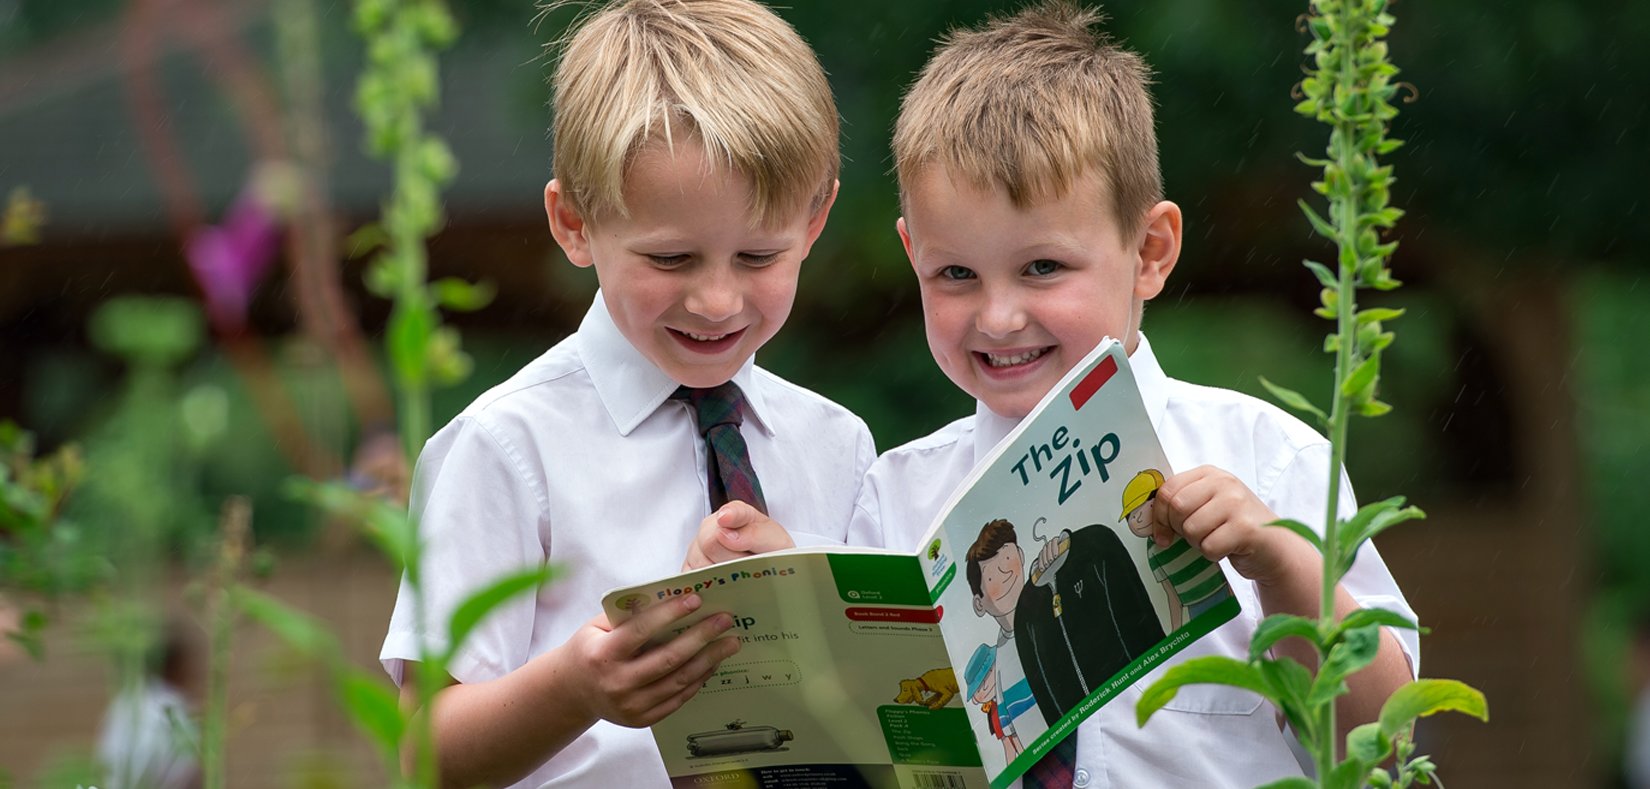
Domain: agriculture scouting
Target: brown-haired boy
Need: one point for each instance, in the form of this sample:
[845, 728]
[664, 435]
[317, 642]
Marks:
[695, 163]
[1035, 220]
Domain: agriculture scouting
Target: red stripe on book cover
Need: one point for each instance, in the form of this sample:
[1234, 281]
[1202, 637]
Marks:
[1092, 382]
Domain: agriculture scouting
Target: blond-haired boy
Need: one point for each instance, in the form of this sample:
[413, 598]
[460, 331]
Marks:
[1035, 220]
[695, 163]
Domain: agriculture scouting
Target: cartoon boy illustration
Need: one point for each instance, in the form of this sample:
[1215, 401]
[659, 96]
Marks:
[981, 676]
[1080, 619]
[996, 574]
[1194, 583]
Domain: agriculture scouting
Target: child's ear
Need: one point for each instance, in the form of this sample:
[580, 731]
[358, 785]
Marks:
[1159, 249]
[816, 223]
[572, 233]
[905, 239]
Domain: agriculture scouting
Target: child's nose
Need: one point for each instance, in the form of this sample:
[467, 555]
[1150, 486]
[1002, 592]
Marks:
[1001, 315]
[716, 294]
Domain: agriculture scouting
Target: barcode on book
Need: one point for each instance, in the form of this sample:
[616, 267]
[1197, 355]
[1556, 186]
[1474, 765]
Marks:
[939, 781]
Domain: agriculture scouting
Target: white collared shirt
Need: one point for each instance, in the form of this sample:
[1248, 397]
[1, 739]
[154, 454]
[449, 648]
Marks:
[1209, 735]
[581, 460]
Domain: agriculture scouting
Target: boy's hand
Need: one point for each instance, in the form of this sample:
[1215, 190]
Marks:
[1223, 519]
[629, 683]
[736, 529]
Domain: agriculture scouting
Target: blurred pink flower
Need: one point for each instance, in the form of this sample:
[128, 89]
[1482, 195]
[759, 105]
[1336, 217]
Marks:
[230, 259]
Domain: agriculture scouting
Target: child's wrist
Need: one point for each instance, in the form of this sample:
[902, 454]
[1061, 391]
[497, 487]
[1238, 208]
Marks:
[1289, 559]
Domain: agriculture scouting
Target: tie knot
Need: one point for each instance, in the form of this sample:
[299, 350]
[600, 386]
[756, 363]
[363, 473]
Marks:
[717, 405]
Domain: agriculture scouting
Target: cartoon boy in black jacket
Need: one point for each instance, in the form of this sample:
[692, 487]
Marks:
[1083, 615]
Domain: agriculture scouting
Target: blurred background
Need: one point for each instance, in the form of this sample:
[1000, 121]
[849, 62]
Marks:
[208, 150]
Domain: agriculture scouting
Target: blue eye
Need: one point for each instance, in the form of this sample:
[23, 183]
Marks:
[1043, 267]
[956, 272]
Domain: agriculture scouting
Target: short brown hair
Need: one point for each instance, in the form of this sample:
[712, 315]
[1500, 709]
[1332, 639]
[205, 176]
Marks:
[993, 536]
[1030, 103]
[728, 72]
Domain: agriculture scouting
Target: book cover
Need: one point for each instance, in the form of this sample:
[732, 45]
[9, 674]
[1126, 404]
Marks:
[1036, 597]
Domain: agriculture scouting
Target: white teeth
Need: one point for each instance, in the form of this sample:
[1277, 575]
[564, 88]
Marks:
[704, 337]
[1009, 361]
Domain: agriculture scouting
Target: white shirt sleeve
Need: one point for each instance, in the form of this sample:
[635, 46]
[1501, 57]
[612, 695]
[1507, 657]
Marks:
[480, 517]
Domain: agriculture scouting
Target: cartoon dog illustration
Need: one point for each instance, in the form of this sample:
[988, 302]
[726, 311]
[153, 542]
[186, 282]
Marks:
[934, 689]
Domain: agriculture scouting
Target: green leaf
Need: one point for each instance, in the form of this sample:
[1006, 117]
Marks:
[1361, 378]
[365, 239]
[374, 706]
[297, 629]
[409, 331]
[476, 607]
[460, 296]
[388, 526]
[1369, 521]
[1374, 408]
[1349, 774]
[1305, 531]
[1364, 617]
[1277, 627]
[1368, 744]
[1215, 670]
[1324, 228]
[449, 364]
[1294, 399]
[1425, 697]
[1376, 314]
[1291, 683]
[1357, 649]
[1324, 275]
[1295, 782]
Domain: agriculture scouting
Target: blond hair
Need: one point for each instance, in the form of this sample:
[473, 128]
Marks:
[727, 73]
[1030, 103]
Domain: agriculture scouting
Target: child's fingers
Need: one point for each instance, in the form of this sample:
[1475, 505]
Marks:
[695, 558]
[713, 548]
[629, 638]
[746, 531]
[681, 650]
[1164, 523]
[737, 515]
[680, 696]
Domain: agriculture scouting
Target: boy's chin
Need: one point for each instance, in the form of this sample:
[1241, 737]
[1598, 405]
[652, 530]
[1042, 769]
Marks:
[1009, 408]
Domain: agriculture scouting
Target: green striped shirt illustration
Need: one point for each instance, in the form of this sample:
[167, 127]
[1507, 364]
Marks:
[1192, 576]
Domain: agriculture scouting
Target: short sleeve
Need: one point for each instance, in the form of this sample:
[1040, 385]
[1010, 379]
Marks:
[480, 517]
[1298, 492]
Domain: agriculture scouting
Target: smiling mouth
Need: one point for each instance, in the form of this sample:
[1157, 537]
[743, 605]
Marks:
[707, 343]
[1011, 360]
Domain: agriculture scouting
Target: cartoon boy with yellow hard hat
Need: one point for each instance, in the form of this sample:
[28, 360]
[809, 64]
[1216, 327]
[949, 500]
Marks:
[1194, 584]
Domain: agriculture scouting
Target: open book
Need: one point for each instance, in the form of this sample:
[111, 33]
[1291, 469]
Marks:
[1031, 603]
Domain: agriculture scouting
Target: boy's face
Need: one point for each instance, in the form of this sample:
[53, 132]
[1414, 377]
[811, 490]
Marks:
[1140, 520]
[988, 686]
[688, 279]
[1012, 297]
[1001, 580]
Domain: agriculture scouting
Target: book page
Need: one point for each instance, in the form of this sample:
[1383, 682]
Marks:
[1052, 601]
[841, 678]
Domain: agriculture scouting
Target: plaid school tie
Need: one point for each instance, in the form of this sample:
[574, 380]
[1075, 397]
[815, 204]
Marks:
[716, 410]
[1055, 770]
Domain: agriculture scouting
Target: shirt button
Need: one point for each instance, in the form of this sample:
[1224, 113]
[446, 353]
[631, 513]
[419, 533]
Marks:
[1081, 779]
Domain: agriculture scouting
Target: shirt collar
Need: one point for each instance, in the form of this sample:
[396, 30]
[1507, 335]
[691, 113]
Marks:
[990, 427]
[630, 386]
